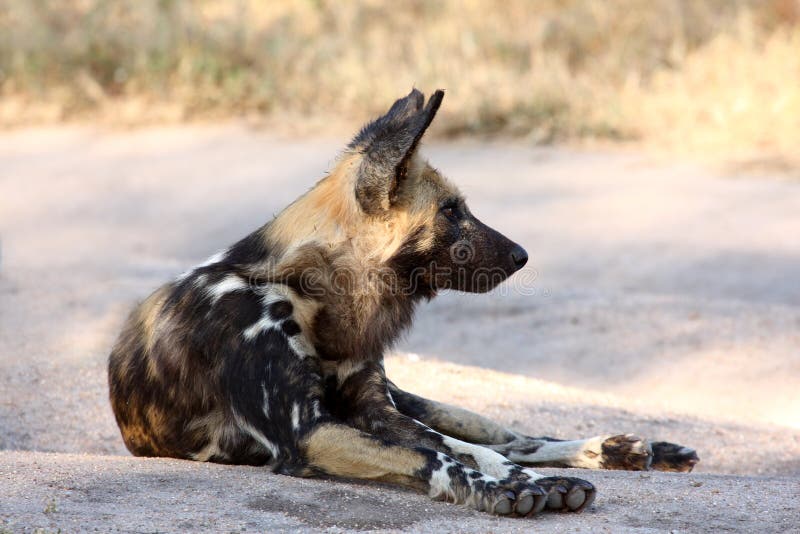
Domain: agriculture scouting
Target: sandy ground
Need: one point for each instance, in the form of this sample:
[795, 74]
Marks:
[115, 493]
[660, 299]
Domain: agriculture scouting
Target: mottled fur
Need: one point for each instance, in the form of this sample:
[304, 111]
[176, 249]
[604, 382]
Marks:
[271, 352]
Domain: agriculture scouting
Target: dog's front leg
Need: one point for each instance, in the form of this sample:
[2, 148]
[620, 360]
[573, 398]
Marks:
[451, 420]
[280, 405]
[359, 394]
[624, 451]
[340, 450]
[602, 452]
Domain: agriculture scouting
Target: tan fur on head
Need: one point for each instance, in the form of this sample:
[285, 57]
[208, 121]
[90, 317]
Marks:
[329, 215]
[324, 215]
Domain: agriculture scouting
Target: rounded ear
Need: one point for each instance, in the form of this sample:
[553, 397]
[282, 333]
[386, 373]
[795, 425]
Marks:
[387, 144]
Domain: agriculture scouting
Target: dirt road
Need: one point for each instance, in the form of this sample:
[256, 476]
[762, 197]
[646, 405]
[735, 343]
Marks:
[660, 299]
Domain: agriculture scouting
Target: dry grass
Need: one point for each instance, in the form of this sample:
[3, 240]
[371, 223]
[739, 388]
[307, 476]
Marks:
[704, 75]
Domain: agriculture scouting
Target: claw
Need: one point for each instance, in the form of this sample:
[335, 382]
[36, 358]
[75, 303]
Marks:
[530, 498]
[539, 503]
[525, 502]
[505, 504]
[555, 501]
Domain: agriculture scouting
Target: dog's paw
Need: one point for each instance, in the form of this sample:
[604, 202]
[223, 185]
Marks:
[567, 494]
[672, 457]
[627, 452]
[518, 498]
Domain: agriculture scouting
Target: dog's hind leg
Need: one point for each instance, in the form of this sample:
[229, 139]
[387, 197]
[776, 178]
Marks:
[602, 452]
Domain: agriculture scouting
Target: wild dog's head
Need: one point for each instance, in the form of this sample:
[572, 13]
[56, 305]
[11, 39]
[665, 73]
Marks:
[441, 244]
[385, 208]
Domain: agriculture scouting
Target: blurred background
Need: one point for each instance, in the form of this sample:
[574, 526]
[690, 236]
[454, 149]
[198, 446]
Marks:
[703, 76]
[646, 153]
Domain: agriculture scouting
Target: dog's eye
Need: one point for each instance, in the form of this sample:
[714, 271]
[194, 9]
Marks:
[450, 211]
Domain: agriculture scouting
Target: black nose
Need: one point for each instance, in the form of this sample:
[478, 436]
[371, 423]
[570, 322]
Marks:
[519, 256]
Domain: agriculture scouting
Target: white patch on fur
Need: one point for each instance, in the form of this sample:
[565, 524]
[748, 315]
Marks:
[265, 404]
[269, 294]
[210, 450]
[490, 462]
[303, 313]
[440, 480]
[441, 488]
[257, 435]
[228, 284]
[572, 453]
[273, 292]
[218, 428]
[317, 412]
[262, 325]
[301, 346]
[296, 416]
[215, 258]
[207, 452]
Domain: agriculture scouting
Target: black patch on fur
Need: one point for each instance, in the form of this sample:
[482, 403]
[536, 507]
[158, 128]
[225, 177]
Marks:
[410, 265]
[458, 477]
[672, 457]
[270, 365]
[480, 486]
[530, 449]
[432, 463]
[408, 403]
[242, 309]
[290, 328]
[248, 251]
[515, 473]
[618, 453]
[280, 310]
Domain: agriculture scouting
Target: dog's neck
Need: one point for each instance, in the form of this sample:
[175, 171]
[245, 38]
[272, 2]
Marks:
[344, 264]
[361, 328]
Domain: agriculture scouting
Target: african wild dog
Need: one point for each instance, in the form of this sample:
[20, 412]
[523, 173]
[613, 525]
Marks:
[271, 352]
